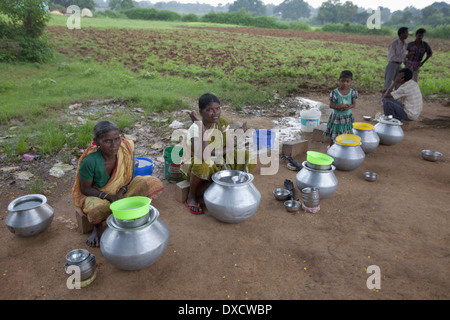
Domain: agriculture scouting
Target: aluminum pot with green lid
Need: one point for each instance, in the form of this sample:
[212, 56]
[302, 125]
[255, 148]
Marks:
[324, 180]
[137, 247]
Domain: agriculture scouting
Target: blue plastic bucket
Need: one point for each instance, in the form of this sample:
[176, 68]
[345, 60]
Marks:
[143, 167]
[264, 139]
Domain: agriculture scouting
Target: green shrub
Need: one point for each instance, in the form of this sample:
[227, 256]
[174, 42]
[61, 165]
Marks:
[151, 14]
[267, 22]
[299, 26]
[141, 13]
[356, 28]
[22, 47]
[237, 18]
[243, 18]
[441, 32]
[110, 14]
[35, 49]
[22, 33]
[166, 15]
[190, 18]
[26, 16]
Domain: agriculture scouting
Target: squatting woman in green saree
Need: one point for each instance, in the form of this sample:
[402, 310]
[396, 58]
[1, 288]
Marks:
[206, 151]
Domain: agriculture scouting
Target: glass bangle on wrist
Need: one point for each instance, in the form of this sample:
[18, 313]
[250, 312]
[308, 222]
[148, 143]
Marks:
[104, 196]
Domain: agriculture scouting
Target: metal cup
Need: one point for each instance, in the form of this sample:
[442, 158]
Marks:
[311, 197]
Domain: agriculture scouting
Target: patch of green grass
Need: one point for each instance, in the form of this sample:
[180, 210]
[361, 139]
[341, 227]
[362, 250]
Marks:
[14, 147]
[39, 97]
[36, 185]
[104, 22]
[50, 88]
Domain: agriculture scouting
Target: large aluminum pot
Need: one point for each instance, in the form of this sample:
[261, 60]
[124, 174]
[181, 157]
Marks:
[134, 248]
[232, 197]
[369, 138]
[389, 131]
[323, 179]
[29, 215]
[346, 157]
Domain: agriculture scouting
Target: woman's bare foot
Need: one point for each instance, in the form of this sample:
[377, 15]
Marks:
[94, 239]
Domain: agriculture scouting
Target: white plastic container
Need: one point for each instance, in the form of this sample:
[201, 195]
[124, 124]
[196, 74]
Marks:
[309, 119]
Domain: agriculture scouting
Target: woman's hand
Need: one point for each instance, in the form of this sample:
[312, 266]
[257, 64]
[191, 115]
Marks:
[88, 190]
[112, 198]
[121, 193]
[399, 78]
[194, 116]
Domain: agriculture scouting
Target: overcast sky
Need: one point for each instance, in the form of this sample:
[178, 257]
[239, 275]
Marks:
[372, 4]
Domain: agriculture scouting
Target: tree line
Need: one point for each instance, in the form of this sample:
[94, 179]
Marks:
[331, 11]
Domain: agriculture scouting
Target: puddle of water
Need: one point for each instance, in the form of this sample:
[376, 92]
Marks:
[289, 129]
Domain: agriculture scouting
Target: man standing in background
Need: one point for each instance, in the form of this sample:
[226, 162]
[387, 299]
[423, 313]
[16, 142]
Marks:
[396, 56]
[416, 51]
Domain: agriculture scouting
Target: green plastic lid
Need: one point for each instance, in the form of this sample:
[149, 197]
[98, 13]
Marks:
[318, 158]
[130, 208]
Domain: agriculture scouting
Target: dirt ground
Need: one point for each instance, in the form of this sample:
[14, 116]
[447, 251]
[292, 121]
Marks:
[399, 223]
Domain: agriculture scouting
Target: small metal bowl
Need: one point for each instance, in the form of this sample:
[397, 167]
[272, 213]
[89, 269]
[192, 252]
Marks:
[431, 155]
[77, 256]
[290, 166]
[370, 176]
[292, 205]
[281, 194]
[367, 118]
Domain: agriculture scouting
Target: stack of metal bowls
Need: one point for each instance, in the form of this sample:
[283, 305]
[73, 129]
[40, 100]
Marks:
[310, 197]
[318, 166]
[132, 223]
[82, 259]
